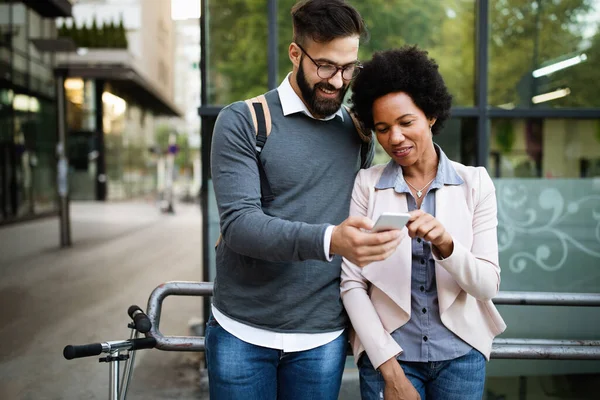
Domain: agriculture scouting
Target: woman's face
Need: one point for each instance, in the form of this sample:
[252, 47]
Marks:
[402, 129]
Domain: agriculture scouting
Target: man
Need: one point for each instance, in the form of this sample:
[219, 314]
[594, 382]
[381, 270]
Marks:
[278, 324]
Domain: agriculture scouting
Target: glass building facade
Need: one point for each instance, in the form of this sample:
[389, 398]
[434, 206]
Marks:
[28, 130]
[109, 142]
[524, 76]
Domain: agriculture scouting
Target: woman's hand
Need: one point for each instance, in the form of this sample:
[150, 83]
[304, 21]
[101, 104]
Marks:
[427, 227]
[397, 385]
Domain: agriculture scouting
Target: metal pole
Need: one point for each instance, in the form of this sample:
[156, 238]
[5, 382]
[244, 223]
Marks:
[128, 368]
[272, 55]
[548, 299]
[545, 342]
[63, 165]
[113, 388]
[481, 83]
[205, 149]
[537, 352]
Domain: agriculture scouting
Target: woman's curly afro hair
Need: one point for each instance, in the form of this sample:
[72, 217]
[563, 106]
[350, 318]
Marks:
[408, 70]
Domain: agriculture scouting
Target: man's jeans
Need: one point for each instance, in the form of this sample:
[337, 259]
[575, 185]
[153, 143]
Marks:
[460, 379]
[242, 371]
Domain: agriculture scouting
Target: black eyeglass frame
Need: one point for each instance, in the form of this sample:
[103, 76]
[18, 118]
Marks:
[357, 66]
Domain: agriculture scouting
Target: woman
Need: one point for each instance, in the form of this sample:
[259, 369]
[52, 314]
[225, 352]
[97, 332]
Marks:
[423, 319]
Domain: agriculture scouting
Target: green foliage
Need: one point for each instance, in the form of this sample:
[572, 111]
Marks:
[524, 35]
[95, 34]
[161, 136]
[527, 35]
[108, 35]
[239, 33]
[505, 135]
[182, 159]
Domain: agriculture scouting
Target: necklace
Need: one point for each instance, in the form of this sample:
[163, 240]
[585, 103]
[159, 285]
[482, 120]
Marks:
[419, 191]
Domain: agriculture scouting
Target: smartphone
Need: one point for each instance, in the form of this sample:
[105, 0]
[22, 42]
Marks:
[389, 221]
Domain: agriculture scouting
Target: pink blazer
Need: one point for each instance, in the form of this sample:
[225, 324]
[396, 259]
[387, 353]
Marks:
[377, 297]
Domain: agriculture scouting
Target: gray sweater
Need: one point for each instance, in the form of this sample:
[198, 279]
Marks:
[272, 272]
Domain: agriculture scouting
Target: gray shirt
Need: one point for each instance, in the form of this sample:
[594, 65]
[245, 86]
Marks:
[272, 272]
[424, 337]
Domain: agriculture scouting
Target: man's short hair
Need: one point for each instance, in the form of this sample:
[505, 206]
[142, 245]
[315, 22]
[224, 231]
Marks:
[326, 20]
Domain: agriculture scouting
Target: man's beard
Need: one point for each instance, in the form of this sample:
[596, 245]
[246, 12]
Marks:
[319, 107]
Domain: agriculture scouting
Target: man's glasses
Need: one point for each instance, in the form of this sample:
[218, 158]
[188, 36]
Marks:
[328, 71]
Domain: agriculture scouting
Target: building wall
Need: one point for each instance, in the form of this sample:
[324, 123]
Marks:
[28, 134]
[149, 34]
[157, 43]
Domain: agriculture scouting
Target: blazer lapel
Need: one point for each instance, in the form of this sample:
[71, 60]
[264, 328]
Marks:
[392, 276]
[447, 288]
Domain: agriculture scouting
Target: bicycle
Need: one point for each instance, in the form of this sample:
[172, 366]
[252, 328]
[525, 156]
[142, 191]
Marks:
[148, 325]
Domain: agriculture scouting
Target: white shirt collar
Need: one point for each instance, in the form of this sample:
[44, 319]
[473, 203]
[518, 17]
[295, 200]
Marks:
[291, 102]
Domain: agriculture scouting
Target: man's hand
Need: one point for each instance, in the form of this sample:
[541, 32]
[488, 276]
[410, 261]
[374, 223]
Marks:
[361, 248]
[397, 385]
[427, 227]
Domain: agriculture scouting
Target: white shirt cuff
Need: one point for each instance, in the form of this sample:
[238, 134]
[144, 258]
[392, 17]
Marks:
[327, 242]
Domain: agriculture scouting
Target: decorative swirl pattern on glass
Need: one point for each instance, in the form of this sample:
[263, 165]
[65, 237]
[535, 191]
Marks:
[542, 221]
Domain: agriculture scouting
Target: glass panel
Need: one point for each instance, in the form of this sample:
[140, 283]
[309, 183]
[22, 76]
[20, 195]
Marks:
[79, 96]
[444, 28]
[35, 31]
[23, 138]
[19, 25]
[549, 229]
[113, 120]
[544, 53]
[237, 50]
[237, 42]
[549, 241]
[44, 157]
[550, 148]
[19, 73]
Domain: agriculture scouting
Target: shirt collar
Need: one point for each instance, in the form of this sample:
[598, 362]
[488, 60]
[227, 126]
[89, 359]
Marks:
[392, 176]
[292, 104]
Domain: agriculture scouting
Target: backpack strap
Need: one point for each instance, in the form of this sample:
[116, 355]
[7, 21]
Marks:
[265, 107]
[261, 117]
[365, 137]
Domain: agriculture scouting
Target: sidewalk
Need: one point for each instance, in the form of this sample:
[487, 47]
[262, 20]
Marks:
[51, 297]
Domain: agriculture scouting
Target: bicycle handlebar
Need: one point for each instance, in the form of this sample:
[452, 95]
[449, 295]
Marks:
[93, 349]
[87, 350]
[140, 319]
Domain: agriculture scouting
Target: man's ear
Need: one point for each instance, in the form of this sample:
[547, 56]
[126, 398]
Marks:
[295, 54]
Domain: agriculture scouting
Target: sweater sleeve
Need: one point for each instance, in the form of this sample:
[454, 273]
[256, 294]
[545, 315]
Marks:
[477, 270]
[245, 228]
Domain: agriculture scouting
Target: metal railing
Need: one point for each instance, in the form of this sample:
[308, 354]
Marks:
[501, 349]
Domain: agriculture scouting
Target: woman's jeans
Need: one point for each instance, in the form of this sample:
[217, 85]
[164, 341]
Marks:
[242, 371]
[460, 379]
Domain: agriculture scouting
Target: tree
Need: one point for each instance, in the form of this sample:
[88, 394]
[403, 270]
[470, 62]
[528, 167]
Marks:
[93, 34]
[121, 34]
[524, 36]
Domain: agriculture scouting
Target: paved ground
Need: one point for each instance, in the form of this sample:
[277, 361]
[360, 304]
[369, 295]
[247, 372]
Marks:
[50, 298]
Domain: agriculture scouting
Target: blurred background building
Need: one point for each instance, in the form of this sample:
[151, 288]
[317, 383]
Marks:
[28, 134]
[524, 75]
[119, 87]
